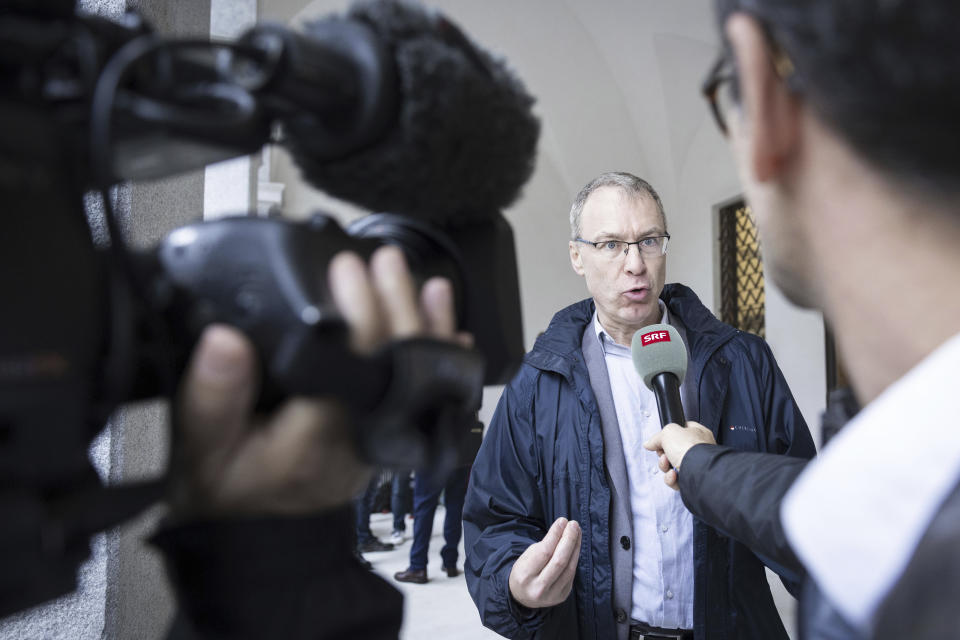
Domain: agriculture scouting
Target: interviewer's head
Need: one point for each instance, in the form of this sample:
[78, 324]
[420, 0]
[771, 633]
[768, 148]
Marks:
[825, 101]
[880, 73]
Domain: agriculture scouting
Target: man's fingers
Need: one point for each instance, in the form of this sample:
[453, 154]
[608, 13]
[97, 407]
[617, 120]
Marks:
[541, 576]
[655, 443]
[312, 448]
[664, 463]
[381, 303]
[436, 303]
[305, 451]
[672, 480]
[356, 300]
[397, 294]
[217, 391]
[566, 553]
[565, 581]
[705, 435]
[554, 533]
[676, 440]
[537, 555]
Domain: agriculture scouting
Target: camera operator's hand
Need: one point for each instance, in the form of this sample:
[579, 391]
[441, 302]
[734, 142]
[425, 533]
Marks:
[300, 458]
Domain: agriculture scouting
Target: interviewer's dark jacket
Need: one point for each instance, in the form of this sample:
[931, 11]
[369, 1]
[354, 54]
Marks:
[542, 458]
[740, 493]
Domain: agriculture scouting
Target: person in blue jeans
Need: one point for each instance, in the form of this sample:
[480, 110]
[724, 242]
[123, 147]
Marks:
[363, 505]
[401, 503]
[426, 496]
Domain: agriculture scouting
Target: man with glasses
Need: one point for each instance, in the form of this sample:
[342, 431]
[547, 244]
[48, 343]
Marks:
[563, 498]
[843, 120]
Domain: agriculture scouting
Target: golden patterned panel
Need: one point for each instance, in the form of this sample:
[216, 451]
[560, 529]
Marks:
[742, 296]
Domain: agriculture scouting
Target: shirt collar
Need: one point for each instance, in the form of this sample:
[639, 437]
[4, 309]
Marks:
[605, 339]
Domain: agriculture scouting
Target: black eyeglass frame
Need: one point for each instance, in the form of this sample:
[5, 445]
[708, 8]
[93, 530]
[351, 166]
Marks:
[711, 88]
[717, 77]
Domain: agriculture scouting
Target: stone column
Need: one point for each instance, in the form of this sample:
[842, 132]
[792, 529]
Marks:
[139, 603]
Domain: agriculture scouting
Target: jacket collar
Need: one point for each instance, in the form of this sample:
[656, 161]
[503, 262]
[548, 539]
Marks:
[705, 333]
[558, 348]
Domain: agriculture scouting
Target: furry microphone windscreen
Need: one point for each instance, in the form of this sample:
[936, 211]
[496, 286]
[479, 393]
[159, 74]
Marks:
[465, 137]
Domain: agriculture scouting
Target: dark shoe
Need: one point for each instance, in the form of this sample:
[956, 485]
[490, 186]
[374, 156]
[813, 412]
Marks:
[452, 571]
[416, 576]
[363, 561]
[374, 545]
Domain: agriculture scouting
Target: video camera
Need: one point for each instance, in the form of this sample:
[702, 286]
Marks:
[389, 106]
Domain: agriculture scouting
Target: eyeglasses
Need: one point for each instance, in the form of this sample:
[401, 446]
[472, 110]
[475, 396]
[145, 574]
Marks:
[649, 247]
[722, 72]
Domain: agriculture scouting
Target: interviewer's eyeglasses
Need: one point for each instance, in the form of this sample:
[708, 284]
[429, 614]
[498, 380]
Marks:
[649, 247]
[720, 74]
[721, 98]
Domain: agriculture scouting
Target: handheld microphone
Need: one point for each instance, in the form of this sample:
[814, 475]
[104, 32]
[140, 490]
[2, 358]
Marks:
[660, 357]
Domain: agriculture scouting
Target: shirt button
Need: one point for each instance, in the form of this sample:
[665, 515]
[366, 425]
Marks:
[669, 595]
[621, 616]
[664, 528]
[625, 543]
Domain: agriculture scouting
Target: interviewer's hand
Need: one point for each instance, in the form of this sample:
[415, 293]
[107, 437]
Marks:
[543, 574]
[672, 444]
[300, 458]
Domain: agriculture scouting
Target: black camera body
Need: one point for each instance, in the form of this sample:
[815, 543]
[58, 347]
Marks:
[89, 324]
[267, 278]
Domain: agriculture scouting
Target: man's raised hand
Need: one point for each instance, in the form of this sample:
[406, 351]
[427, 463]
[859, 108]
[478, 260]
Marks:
[543, 574]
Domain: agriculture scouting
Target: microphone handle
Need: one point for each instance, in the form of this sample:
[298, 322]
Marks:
[666, 388]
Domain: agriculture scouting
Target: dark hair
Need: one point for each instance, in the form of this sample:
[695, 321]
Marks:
[883, 74]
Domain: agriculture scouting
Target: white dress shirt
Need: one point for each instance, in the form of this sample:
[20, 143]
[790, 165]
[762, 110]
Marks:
[662, 526]
[856, 514]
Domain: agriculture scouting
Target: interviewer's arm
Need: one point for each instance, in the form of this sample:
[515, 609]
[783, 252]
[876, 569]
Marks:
[739, 493]
[736, 492]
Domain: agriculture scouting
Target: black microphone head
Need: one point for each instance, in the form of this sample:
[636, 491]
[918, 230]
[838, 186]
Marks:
[656, 349]
[465, 138]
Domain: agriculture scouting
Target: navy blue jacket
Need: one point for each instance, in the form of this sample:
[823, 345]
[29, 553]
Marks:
[542, 458]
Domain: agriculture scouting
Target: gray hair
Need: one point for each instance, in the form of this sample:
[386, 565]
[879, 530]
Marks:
[631, 184]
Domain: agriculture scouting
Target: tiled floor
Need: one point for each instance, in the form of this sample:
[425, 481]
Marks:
[440, 609]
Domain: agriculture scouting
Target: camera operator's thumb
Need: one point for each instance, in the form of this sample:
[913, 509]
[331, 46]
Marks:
[225, 461]
[218, 389]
